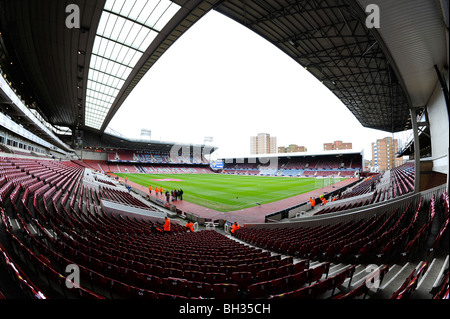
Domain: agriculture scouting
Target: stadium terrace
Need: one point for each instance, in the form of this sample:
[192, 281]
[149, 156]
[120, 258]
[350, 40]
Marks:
[87, 213]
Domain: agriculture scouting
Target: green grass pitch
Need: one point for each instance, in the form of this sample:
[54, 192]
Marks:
[227, 192]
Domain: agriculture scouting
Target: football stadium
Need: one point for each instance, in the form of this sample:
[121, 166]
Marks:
[88, 213]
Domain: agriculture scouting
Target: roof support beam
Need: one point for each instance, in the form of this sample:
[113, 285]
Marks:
[131, 20]
[120, 43]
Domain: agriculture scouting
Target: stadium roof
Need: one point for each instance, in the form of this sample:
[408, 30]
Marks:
[81, 77]
[335, 153]
[114, 142]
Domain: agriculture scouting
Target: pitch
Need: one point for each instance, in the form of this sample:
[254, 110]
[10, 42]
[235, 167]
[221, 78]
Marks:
[226, 192]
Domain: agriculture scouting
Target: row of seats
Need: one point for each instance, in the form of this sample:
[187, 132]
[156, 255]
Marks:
[410, 283]
[81, 248]
[171, 286]
[363, 187]
[402, 182]
[123, 257]
[122, 197]
[338, 208]
[371, 240]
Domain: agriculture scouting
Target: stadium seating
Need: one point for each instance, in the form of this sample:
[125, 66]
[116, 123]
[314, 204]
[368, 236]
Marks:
[321, 166]
[102, 254]
[62, 223]
[370, 240]
[410, 283]
[402, 183]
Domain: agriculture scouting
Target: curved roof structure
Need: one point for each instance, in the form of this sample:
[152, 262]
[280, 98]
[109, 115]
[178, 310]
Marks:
[79, 77]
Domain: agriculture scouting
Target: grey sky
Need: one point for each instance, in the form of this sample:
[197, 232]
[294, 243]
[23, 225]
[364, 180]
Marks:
[222, 80]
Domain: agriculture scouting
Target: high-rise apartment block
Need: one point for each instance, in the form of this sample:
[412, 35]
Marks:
[384, 154]
[263, 143]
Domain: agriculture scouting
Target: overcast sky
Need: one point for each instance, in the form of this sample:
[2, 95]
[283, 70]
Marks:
[222, 80]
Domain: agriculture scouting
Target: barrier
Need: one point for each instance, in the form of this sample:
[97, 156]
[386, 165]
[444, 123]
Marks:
[132, 211]
[211, 225]
[227, 227]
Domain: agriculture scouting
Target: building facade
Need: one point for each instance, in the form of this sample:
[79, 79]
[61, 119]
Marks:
[292, 148]
[384, 154]
[263, 143]
[337, 145]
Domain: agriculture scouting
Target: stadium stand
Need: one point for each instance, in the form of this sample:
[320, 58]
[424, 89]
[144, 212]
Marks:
[122, 257]
[298, 166]
[385, 237]
[401, 183]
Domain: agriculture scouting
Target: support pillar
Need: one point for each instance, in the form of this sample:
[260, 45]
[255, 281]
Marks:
[416, 149]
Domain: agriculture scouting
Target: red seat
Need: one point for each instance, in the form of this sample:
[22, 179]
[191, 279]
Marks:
[193, 275]
[285, 270]
[342, 276]
[150, 282]
[112, 270]
[267, 274]
[138, 266]
[130, 276]
[155, 270]
[119, 290]
[300, 266]
[255, 268]
[98, 279]
[241, 278]
[215, 278]
[286, 261]
[242, 267]
[210, 268]
[361, 290]
[303, 293]
[173, 272]
[193, 267]
[282, 285]
[199, 289]
[228, 270]
[225, 291]
[95, 264]
[317, 273]
[138, 293]
[174, 286]
[259, 290]
[323, 286]
[162, 295]
[107, 258]
[301, 278]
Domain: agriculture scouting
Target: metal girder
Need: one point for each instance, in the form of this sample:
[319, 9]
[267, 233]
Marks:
[330, 39]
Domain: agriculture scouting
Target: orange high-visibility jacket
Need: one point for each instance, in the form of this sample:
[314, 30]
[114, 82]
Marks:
[167, 225]
[234, 228]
